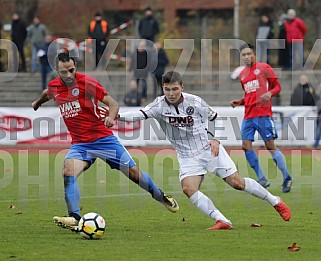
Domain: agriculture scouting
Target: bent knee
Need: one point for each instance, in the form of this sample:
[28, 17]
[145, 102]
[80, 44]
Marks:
[189, 191]
[245, 148]
[235, 181]
[74, 167]
[239, 185]
[68, 171]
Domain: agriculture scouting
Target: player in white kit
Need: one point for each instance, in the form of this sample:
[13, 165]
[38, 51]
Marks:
[184, 119]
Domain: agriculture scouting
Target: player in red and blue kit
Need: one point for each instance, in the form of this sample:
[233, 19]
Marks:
[260, 83]
[77, 96]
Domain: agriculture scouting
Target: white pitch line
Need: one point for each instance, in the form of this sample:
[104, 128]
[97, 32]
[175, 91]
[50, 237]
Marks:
[140, 194]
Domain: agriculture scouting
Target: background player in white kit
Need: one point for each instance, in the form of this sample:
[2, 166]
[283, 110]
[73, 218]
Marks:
[184, 119]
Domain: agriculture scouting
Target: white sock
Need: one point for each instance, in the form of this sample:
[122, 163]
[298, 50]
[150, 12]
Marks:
[255, 189]
[204, 204]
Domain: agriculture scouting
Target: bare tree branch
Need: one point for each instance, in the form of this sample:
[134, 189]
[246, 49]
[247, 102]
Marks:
[27, 9]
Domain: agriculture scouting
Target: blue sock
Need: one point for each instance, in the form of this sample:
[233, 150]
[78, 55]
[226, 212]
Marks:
[254, 163]
[148, 184]
[72, 194]
[279, 160]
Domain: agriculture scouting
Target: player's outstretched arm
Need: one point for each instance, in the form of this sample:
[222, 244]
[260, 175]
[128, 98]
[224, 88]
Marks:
[41, 100]
[131, 116]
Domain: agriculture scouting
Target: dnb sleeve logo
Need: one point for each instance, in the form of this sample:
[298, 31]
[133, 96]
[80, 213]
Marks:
[14, 123]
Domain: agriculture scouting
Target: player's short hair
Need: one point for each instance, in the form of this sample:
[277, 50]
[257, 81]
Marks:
[148, 8]
[171, 77]
[247, 45]
[63, 56]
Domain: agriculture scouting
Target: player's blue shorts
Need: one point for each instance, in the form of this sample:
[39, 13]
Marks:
[108, 149]
[263, 125]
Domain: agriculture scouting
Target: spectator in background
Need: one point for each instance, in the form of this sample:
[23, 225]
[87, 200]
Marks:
[148, 26]
[98, 30]
[295, 31]
[265, 31]
[1, 65]
[318, 126]
[133, 96]
[141, 66]
[47, 55]
[36, 35]
[162, 62]
[304, 93]
[283, 55]
[18, 37]
[126, 56]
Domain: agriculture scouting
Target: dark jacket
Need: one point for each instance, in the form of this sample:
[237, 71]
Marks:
[133, 98]
[303, 95]
[18, 31]
[47, 54]
[318, 104]
[141, 65]
[97, 31]
[148, 27]
[162, 62]
[265, 27]
[283, 53]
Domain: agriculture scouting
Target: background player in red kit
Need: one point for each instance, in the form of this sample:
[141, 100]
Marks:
[260, 83]
[77, 96]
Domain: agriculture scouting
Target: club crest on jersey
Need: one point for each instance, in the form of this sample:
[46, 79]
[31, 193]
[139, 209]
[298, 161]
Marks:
[257, 71]
[75, 92]
[190, 110]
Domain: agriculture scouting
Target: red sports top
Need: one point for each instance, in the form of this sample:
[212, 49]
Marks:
[78, 106]
[257, 80]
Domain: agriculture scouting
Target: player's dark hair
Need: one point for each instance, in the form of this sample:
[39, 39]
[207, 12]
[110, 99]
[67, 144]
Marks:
[63, 56]
[171, 77]
[247, 45]
[148, 8]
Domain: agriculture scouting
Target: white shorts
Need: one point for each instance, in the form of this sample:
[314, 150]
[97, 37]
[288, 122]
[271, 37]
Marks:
[222, 165]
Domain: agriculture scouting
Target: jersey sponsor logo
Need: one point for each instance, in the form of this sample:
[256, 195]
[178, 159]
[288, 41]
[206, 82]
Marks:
[14, 123]
[251, 86]
[190, 110]
[70, 109]
[75, 92]
[181, 121]
[257, 71]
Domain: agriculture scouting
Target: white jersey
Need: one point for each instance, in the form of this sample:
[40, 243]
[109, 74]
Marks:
[184, 125]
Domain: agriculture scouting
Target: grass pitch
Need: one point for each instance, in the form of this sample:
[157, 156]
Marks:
[139, 228]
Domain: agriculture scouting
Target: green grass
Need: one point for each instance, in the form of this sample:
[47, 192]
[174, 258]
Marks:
[139, 228]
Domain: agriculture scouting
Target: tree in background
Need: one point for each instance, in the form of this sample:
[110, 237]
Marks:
[26, 9]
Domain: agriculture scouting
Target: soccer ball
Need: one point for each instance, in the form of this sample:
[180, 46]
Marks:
[91, 226]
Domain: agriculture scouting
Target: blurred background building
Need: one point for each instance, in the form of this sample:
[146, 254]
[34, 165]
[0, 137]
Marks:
[183, 19]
